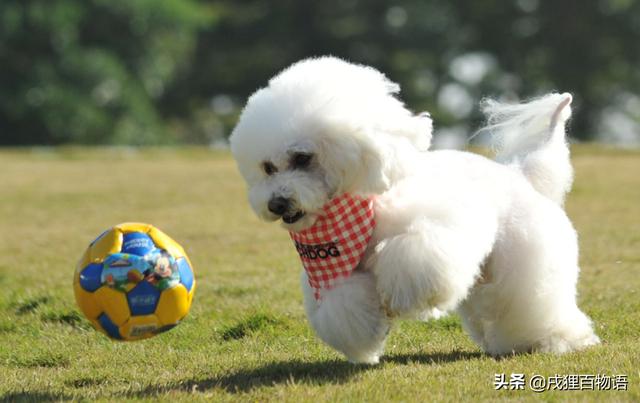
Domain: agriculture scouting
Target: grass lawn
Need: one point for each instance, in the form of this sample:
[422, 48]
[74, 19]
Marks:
[246, 337]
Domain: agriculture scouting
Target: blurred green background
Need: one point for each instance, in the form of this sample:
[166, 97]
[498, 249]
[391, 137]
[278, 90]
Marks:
[148, 72]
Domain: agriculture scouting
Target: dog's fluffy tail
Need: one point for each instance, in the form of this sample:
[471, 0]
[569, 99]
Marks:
[531, 137]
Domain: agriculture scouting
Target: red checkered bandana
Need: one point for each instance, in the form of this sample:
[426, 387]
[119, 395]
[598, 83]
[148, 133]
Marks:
[334, 245]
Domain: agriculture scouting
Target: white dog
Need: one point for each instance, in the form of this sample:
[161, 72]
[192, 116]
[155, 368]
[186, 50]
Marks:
[442, 230]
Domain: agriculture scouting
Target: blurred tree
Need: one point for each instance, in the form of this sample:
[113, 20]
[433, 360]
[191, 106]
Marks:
[145, 71]
[91, 71]
[446, 54]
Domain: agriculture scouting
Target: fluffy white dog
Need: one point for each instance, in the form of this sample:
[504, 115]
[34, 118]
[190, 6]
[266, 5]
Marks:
[450, 230]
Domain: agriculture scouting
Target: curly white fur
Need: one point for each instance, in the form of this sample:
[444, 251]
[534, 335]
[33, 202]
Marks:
[454, 230]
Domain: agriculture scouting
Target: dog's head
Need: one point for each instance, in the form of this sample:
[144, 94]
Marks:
[321, 128]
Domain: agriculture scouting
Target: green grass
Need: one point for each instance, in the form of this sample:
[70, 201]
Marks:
[246, 337]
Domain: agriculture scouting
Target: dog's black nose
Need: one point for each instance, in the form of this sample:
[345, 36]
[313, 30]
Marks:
[278, 205]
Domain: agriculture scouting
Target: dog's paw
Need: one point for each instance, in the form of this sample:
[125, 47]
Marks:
[431, 314]
[409, 304]
[561, 345]
[371, 359]
[401, 280]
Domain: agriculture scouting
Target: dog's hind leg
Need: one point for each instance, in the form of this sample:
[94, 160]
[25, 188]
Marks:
[349, 317]
[529, 304]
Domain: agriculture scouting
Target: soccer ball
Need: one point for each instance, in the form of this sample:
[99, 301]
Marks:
[134, 282]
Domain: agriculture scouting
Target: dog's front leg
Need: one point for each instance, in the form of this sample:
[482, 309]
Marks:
[428, 267]
[349, 317]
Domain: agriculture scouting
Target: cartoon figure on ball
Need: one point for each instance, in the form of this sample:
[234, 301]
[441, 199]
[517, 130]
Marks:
[134, 282]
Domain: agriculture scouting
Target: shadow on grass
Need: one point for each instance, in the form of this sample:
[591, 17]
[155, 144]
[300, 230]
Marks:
[276, 373]
[31, 305]
[433, 358]
[34, 397]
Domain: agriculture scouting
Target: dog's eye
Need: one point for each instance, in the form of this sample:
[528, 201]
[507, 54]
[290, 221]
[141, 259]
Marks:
[269, 168]
[301, 160]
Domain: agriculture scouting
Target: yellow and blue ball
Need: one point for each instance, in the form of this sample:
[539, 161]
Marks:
[134, 282]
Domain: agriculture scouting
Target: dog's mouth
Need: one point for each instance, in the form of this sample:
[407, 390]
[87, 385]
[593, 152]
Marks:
[292, 218]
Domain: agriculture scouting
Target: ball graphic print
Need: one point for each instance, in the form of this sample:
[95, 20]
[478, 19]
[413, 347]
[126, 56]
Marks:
[134, 282]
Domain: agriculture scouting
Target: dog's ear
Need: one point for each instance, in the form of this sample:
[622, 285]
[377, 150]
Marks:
[357, 161]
